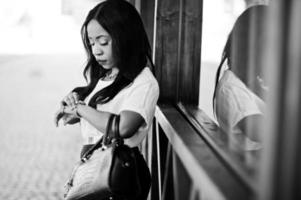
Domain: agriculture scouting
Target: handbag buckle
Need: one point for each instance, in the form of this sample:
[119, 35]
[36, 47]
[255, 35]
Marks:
[126, 164]
[103, 147]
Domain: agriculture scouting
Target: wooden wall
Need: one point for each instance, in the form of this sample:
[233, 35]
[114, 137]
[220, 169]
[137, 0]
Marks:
[177, 49]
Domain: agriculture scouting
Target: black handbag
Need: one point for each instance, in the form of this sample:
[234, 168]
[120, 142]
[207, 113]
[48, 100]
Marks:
[108, 169]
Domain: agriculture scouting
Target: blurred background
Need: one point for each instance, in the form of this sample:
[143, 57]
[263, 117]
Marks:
[41, 60]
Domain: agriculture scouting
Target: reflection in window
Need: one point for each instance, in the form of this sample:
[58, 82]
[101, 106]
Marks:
[218, 19]
[232, 49]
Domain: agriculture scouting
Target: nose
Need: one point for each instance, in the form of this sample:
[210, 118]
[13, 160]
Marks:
[96, 50]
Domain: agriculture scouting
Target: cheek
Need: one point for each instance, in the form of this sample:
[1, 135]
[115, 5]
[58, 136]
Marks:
[110, 53]
[110, 49]
[94, 50]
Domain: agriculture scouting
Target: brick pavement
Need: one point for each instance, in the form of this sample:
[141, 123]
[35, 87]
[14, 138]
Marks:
[35, 157]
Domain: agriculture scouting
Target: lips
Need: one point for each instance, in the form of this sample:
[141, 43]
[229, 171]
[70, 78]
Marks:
[101, 61]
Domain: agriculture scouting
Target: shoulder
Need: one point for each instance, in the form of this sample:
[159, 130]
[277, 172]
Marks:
[146, 77]
[229, 79]
[234, 100]
[230, 85]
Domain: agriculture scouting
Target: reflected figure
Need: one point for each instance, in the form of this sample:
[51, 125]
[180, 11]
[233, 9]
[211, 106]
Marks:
[238, 100]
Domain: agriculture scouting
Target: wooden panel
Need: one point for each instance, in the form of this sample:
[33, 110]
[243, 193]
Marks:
[166, 43]
[168, 179]
[177, 49]
[212, 177]
[182, 181]
[190, 51]
[147, 11]
[239, 162]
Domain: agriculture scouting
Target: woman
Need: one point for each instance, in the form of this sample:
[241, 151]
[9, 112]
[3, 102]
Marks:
[119, 81]
[240, 88]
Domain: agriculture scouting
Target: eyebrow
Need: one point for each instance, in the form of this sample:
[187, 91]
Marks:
[99, 36]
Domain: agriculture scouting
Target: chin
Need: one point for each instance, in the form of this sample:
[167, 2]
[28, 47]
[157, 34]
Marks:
[107, 67]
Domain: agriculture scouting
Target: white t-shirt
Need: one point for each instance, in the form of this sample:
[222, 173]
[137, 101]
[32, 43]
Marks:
[141, 97]
[234, 101]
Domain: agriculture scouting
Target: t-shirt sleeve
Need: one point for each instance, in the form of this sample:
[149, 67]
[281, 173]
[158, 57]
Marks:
[234, 104]
[142, 99]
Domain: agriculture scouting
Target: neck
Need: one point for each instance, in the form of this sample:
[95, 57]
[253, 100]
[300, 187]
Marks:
[114, 71]
[111, 74]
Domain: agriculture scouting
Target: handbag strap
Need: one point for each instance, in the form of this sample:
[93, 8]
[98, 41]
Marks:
[116, 133]
[111, 129]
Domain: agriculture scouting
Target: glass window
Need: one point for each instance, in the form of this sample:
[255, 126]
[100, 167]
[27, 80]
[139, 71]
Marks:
[233, 35]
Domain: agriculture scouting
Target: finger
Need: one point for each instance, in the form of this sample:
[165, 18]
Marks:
[57, 117]
[68, 110]
[59, 114]
[67, 101]
[71, 100]
[67, 119]
[56, 120]
[63, 103]
[75, 97]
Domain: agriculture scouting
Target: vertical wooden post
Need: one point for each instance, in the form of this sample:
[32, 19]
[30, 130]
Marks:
[166, 43]
[280, 165]
[189, 51]
[147, 11]
[178, 49]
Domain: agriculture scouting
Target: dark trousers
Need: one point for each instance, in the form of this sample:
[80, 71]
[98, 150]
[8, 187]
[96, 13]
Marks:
[143, 174]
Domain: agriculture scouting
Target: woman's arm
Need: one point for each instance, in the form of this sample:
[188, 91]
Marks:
[129, 121]
[250, 125]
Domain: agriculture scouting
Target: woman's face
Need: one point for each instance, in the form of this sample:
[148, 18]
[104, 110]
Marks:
[101, 44]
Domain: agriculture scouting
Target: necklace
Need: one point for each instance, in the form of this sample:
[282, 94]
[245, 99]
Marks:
[110, 75]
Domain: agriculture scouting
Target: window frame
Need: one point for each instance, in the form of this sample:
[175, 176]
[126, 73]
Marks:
[178, 71]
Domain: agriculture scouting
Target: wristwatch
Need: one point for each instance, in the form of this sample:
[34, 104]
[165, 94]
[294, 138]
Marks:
[76, 111]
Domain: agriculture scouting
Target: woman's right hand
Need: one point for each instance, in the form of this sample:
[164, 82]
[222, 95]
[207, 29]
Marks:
[71, 99]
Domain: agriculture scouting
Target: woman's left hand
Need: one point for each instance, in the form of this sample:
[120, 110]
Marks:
[67, 114]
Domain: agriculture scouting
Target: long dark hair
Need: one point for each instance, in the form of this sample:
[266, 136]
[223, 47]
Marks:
[244, 48]
[130, 46]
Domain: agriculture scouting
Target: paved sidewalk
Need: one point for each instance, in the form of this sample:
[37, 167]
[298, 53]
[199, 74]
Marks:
[35, 156]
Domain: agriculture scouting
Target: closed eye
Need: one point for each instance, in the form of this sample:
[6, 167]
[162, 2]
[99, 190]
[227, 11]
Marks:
[103, 41]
